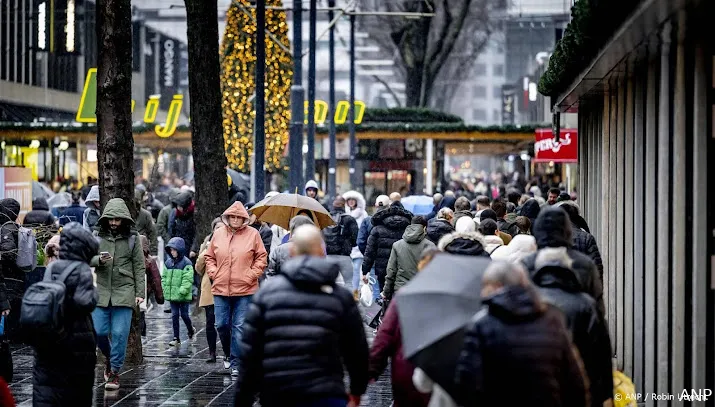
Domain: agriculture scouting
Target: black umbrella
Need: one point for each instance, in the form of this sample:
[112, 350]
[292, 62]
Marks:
[434, 308]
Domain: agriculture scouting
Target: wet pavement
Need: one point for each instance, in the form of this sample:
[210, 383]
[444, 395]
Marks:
[170, 376]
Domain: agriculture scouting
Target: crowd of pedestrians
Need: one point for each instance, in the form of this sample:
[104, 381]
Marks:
[284, 304]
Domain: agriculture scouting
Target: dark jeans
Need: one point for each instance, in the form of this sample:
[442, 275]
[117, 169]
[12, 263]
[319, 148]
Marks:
[230, 314]
[180, 308]
[212, 334]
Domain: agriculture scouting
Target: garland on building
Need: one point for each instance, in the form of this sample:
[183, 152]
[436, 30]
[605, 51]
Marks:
[593, 23]
[238, 62]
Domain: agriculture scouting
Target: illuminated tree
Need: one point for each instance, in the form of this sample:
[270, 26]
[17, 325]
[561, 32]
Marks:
[238, 62]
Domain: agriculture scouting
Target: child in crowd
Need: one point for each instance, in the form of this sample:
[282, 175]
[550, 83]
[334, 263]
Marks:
[176, 281]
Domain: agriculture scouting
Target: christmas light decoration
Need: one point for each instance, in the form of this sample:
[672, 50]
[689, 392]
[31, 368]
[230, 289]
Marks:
[238, 61]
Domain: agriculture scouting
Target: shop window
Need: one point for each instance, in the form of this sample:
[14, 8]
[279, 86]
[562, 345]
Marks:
[479, 115]
[479, 92]
[498, 70]
[480, 69]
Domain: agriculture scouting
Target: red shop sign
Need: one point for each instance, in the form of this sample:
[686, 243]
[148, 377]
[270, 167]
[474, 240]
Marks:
[563, 151]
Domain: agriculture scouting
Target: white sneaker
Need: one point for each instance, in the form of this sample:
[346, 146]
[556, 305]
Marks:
[226, 363]
[234, 372]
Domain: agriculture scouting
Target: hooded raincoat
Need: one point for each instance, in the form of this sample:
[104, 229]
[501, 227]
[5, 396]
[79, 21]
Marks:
[465, 244]
[235, 258]
[359, 214]
[39, 215]
[91, 214]
[405, 256]
[178, 275]
[121, 279]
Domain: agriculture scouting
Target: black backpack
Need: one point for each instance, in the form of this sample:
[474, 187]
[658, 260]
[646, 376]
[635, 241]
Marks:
[333, 235]
[43, 308]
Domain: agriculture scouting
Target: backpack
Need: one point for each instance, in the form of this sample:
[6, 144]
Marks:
[334, 234]
[26, 258]
[42, 311]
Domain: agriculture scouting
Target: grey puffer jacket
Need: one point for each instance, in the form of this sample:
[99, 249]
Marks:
[277, 258]
[404, 258]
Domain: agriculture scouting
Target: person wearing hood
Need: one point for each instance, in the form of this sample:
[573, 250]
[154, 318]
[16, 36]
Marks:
[463, 243]
[235, 260]
[153, 205]
[11, 276]
[63, 372]
[530, 209]
[52, 249]
[499, 208]
[39, 215]
[440, 226]
[517, 338]
[340, 240]
[583, 241]
[405, 256]
[144, 224]
[181, 219]
[489, 230]
[121, 277]
[559, 287]
[74, 212]
[553, 229]
[388, 227]
[91, 215]
[162, 221]
[521, 246]
[524, 225]
[382, 202]
[206, 301]
[302, 332]
[176, 282]
[355, 203]
[311, 189]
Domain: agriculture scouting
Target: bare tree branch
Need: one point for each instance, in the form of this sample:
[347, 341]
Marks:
[389, 89]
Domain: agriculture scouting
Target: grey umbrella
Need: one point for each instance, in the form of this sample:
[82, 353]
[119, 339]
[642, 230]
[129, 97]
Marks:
[434, 309]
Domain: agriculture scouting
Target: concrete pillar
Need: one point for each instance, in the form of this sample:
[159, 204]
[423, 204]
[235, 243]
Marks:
[629, 237]
[638, 236]
[699, 233]
[649, 200]
[664, 215]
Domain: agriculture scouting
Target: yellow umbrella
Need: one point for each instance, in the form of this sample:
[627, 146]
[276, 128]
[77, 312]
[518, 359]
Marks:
[281, 208]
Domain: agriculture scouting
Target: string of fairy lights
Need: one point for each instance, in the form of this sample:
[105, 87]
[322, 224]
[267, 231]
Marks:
[238, 63]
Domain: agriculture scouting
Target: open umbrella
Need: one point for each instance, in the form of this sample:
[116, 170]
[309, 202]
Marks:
[281, 208]
[434, 309]
[418, 204]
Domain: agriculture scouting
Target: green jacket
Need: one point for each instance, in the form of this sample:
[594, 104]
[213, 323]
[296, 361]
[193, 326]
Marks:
[120, 280]
[177, 282]
[162, 221]
[404, 258]
[145, 226]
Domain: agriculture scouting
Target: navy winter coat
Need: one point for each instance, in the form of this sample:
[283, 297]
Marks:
[388, 227]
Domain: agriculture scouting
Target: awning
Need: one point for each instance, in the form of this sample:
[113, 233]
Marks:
[10, 112]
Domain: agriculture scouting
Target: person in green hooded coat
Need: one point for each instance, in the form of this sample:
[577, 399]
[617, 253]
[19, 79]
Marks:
[144, 224]
[120, 284]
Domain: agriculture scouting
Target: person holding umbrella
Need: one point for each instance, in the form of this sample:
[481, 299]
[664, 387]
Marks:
[235, 260]
[516, 338]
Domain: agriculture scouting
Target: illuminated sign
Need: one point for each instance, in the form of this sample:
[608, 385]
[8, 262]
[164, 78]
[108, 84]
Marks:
[70, 27]
[88, 106]
[42, 26]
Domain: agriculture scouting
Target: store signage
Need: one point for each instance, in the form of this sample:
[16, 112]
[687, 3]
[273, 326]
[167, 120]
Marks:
[508, 94]
[42, 25]
[547, 149]
[88, 106]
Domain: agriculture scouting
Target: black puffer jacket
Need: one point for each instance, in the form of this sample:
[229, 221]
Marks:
[387, 228]
[64, 371]
[465, 244]
[341, 239]
[437, 228]
[560, 288]
[266, 234]
[39, 215]
[585, 243]
[553, 229]
[11, 277]
[299, 331]
[182, 224]
[530, 209]
[518, 350]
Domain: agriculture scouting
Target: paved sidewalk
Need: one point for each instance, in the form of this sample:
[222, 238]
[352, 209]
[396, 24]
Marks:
[169, 376]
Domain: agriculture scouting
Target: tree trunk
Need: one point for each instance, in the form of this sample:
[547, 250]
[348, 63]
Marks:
[207, 142]
[115, 144]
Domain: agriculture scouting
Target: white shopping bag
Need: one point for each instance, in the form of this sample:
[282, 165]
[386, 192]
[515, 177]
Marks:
[366, 292]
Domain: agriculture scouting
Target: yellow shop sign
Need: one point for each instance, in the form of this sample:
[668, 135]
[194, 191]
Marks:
[88, 106]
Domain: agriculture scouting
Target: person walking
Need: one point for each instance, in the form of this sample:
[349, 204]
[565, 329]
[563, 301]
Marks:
[162, 221]
[52, 249]
[120, 273]
[153, 275]
[440, 226]
[39, 215]
[405, 256]
[388, 227]
[489, 231]
[516, 338]
[74, 212]
[91, 215]
[463, 244]
[206, 301]
[462, 208]
[181, 219]
[490, 214]
[559, 287]
[553, 229]
[340, 240]
[499, 208]
[176, 281]
[583, 241]
[355, 203]
[144, 224]
[282, 253]
[382, 202]
[63, 372]
[12, 277]
[235, 260]
[302, 332]
[521, 246]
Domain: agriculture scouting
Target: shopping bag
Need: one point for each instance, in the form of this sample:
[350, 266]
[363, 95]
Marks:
[366, 293]
[372, 315]
[623, 389]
